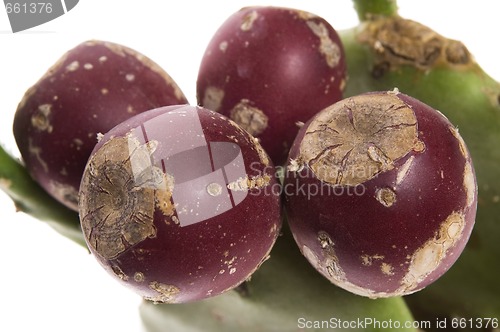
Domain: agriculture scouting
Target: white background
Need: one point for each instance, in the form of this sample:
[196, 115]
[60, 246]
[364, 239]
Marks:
[48, 283]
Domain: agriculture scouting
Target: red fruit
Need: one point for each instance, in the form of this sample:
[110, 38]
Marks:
[92, 88]
[179, 204]
[269, 68]
[381, 194]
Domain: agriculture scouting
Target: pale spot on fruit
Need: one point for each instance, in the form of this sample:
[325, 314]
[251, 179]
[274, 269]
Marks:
[41, 118]
[246, 183]
[223, 46]
[463, 148]
[367, 260]
[119, 273]
[328, 48]
[166, 293]
[139, 277]
[295, 165]
[214, 189]
[248, 20]
[429, 256]
[37, 152]
[73, 66]
[469, 184]
[329, 265]
[212, 99]
[385, 196]
[249, 117]
[387, 269]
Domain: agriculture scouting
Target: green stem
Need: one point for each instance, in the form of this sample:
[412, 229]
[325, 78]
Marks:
[30, 198]
[367, 9]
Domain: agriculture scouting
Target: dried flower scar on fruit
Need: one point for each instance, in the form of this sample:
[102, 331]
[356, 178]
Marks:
[268, 68]
[88, 91]
[179, 203]
[381, 194]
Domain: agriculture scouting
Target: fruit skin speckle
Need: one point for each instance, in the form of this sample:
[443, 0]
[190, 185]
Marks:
[417, 206]
[283, 65]
[179, 210]
[89, 90]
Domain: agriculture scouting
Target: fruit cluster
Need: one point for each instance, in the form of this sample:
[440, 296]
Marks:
[182, 203]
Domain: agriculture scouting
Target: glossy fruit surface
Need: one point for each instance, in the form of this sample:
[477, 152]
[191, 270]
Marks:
[88, 91]
[269, 68]
[179, 204]
[381, 194]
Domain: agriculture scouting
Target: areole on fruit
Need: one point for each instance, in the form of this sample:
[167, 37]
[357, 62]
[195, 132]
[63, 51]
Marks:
[352, 145]
[124, 203]
[417, 207]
